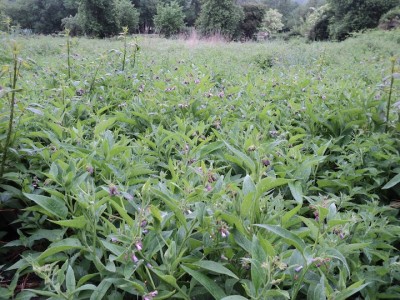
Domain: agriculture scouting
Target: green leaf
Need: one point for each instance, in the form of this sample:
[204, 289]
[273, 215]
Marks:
[64, 245]
[289, 237]
[215, 267]
[214, 289]
[268, 183]
[242, 159]
[70, 280]
[287, 216]
[235, 297]
[101, 290]
[317, 291]
[122, 212]
[79, 222]
[53, 206]
[297, 191]
[104, 125]
[395, 180]
[351, 290]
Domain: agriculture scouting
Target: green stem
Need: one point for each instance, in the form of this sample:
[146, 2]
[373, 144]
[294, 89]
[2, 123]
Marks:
[12, 104]
[69, 58]
[390, 95]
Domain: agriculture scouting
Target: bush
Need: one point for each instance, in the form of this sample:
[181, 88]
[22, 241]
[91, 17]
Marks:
[127, 15]
[169, 19]
[72, 24]
[391, 19]
[220, 16]
[253, 17]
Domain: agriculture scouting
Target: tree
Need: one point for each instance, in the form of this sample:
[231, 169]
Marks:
[355, 15]
[127, 15]
[98, 17]
[272, 22]
[39, 15]
[220, 16]
[317, 22]
[253, 17]
[169, 19]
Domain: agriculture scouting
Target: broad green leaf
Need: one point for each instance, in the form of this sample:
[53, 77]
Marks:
[317, 291]
[268, 183]
[286, 217]
[104, 125]
[122, 212]
[334, 253]
[53, 206]
[235, 297]
[101, 290]
[276, 293]
[243, 160]
[351, 290]
[289, 237]
[70, 280]
[296, 190]
[395, 180]
[214, 289]
[214, 267]
[79, 222]
[115, 249]
[64, 245]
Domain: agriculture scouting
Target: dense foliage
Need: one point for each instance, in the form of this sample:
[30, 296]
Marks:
[252, 20]
[232, 18]
[169, 19]
[354, 15]
[158, 169]
[220, 16]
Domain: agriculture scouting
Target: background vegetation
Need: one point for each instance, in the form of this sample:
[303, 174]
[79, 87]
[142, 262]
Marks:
[234, 19]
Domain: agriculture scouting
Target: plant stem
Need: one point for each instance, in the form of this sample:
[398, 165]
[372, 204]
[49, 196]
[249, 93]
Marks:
[390, 94]
[12, 104]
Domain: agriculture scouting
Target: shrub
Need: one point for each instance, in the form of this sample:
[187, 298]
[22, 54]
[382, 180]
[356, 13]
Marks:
[253, 17]
[391, 19]
[220, 16]
[169, 19]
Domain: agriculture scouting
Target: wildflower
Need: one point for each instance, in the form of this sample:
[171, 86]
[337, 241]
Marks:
[113, 190]
[298, 269]
[114, 239]
[221, 94]
[224, 231]
[197, 81]
[266, 162]
[134, 258]
[251, 148]
[139, 245]
[208, 187]
[150, 295]
[89, 169]
[143, 223]
[80, 92]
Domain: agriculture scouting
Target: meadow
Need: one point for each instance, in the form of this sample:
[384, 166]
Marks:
[145, 168]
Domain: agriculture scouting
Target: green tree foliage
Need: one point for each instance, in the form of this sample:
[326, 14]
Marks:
[147, 11]
[354, 15]
[127, 15]
[272, 21]
[288, 10]
[39, 15]
[98, 17]
[391, 19]
[316, 25]
[253, 17]
[169, 19]
[220, 16]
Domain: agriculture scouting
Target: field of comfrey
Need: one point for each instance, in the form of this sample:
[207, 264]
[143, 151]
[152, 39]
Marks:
[142, 168]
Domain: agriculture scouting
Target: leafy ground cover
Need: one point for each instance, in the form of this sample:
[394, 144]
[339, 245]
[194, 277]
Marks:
[153, 169]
